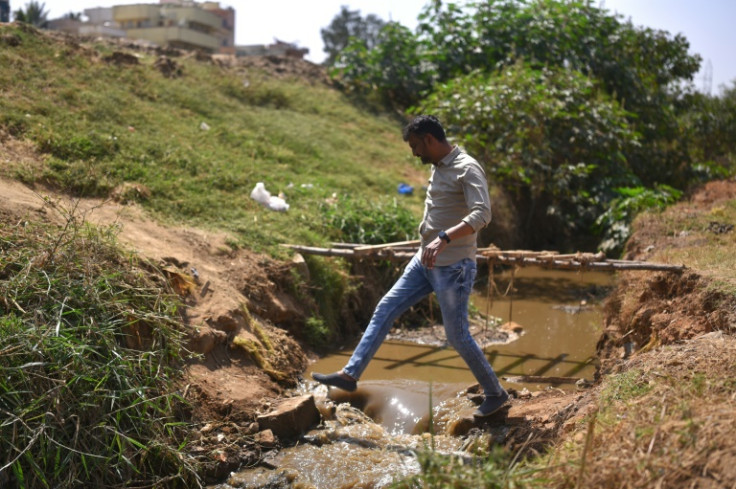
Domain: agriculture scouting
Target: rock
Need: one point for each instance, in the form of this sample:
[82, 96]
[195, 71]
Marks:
[168, 67]
[204, 340]
[512, 327]
[291, 418]
[461, 426]
[266, 439]
[120, 58]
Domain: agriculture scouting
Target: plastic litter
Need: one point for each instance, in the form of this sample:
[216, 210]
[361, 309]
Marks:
[264, 197]
[405, 189]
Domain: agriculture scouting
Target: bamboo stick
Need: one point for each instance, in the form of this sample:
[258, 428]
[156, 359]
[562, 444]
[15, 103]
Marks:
[363, 250]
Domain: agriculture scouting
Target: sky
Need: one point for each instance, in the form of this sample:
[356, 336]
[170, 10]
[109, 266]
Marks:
[707, 24]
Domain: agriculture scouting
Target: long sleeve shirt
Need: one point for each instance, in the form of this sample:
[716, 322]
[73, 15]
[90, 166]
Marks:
[457, 191]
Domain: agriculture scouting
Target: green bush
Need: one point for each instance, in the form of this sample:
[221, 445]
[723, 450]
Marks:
[614, 225]
[355, 220]
[316, 333]
[551, 138]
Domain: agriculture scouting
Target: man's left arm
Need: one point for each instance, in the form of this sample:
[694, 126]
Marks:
[477, 198]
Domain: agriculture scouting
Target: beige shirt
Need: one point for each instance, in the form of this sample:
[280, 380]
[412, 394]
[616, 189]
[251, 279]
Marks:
[457, 191]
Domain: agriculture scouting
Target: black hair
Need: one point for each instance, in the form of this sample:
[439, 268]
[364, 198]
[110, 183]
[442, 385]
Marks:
[425, 124]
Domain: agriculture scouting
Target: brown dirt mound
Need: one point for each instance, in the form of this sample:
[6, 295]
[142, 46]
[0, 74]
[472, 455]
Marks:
[649, 310]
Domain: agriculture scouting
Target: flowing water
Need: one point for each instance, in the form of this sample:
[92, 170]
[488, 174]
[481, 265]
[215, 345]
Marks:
[375, 433]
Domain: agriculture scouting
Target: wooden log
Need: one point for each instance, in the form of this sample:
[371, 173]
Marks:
[311, 250]
[575, 265]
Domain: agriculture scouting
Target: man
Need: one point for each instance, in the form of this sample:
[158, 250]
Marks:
[457, 205]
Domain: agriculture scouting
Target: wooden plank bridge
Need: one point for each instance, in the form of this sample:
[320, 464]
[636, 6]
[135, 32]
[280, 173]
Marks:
[404, 250]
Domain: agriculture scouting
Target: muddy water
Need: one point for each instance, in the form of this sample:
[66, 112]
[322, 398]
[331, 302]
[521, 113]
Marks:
[558, 311]
[375, 433]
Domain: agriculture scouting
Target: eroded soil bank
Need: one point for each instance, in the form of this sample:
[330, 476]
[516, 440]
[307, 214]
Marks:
[246, 322]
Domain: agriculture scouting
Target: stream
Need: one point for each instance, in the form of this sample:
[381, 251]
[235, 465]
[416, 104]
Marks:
[409, 389]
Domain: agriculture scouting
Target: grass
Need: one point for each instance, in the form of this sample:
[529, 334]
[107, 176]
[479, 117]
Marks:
[704, 240]
[200, 142]
[90, 349]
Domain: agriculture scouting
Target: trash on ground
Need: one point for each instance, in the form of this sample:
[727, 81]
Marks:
[260, 194]
[405, 189]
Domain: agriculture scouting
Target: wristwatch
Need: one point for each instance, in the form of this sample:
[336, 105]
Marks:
[443, 235]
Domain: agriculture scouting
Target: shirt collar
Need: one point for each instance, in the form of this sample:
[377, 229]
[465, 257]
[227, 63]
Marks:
[449, 157]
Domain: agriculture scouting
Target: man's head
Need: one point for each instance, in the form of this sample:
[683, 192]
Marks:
[427, 139]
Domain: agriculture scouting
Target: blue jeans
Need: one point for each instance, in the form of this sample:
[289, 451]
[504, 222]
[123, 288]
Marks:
[452, 286]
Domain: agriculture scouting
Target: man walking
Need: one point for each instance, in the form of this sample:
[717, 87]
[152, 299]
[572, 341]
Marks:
[457, 206]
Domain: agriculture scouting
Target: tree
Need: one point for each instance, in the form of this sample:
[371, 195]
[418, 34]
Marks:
[393, 64]
[349, 26]
[35, 14]
[642, 78]
[550, 138]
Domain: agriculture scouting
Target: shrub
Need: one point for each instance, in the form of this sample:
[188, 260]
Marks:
[360, 221]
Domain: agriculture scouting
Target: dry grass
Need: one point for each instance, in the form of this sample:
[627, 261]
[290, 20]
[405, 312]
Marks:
[667, 420]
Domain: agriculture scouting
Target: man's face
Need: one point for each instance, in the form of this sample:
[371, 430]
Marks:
[418, 145]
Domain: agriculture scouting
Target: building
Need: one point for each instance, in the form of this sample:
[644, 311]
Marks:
[182, 24]
[226, 34]
[4, 10]
[100, 23]
[177, 25]
[278, 48]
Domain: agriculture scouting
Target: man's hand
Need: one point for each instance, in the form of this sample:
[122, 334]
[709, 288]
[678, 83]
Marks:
[431, 251]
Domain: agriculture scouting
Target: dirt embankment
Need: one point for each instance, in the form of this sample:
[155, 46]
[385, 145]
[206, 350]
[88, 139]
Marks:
[650, 310]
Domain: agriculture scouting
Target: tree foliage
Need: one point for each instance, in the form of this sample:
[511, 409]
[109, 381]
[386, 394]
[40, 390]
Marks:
[348, 26]
[552, 138]
[563, 100]
[35, 13]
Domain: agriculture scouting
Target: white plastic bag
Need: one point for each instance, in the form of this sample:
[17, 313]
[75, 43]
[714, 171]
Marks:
[263, 196]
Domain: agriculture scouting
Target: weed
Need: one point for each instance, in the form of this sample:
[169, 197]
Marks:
[624, 387]
[355, 220]
[496, 470]
[316, 333]
[103, 125]
[331, 286]
[91, 348]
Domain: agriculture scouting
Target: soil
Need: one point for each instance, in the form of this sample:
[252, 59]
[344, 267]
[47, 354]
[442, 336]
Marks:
[237, 297]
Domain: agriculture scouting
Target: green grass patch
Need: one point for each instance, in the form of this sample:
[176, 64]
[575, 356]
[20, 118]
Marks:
[497, 469]
[624, 387]
[91, 351]
[200, 142]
